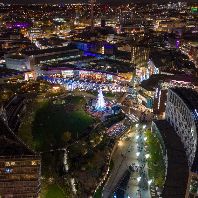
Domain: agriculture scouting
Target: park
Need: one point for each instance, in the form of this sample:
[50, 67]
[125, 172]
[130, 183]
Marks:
[61, 121]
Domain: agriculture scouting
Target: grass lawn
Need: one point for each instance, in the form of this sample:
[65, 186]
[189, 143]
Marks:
[98, 193]
[156, 162]
[52, 120]
[53, 191]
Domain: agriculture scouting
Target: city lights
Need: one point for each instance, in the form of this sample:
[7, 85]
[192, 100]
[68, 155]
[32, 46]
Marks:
[99, 98]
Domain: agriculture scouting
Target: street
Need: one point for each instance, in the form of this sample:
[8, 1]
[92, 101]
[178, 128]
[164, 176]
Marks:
[129, 155]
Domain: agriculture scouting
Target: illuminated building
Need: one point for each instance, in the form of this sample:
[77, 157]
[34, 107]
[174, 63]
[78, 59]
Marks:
[182, 114]
[35, 32]
[29, 59]
[179, 140]
[17, 62]
[190, 49]
[12, 25]
[168, 25]
[20, 167]
[145, 98]
[160, 83]
[160, 98]
[194, 9]
[52, 55]
[140, 56]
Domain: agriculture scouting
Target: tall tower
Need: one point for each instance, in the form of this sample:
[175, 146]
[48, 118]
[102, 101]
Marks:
[92, 14]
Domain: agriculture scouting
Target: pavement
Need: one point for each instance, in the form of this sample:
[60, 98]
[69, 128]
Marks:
[135, 188]
[124, 156]
[122, 160]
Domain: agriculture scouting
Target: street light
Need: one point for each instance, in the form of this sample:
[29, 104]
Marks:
[138, 179]
[145, 138]
[120, 143]
[150, 181]
[144, 126]
[137, 137]
[147, 156]
[137, 125]
[138, 153]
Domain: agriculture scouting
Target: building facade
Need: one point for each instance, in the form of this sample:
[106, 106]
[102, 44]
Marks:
[179, 134]
[182, 114]
[20, 167]
[17, 62]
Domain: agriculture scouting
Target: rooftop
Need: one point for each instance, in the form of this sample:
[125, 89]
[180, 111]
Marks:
[177, 170]
[170, 60]
[154, 80]
[151, 83]
[103, 65]
[16, 56]
[6, 73]
[50, 50]
[189, 96]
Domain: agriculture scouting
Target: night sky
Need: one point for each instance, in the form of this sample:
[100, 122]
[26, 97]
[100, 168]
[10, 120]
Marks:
[84, 1]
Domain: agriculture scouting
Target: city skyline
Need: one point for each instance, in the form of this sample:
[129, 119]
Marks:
[98, 99]
[85, 1]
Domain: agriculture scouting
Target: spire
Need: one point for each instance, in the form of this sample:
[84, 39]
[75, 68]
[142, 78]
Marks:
[100, 105]
[92, 14]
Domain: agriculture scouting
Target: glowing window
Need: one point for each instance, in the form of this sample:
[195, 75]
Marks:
[7, 163]
[33, 163]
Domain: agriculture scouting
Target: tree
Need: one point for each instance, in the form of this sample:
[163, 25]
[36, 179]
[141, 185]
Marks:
[66, 136]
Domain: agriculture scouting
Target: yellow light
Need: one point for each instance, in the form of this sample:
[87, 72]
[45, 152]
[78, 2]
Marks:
[7, 163]
[33, 163]
[55, 88]
[120, 143]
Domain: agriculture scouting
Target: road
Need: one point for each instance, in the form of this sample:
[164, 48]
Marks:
[122, 158]
[125, 154]
[138, 184]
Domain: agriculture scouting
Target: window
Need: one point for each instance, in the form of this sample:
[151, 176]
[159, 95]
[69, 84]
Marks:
[8, 170]
[7, 163]
[34, 163]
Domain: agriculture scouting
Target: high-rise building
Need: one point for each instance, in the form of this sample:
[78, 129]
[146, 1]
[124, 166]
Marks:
[92, 13]
[103, 22]
[179, 132]
[182, 114]
[20, 167]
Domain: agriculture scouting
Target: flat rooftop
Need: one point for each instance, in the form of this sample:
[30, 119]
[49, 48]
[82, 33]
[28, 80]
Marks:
[189, 96]
[177, 171]
[6, 73]
[16, 56]
[169, 59]
[50, 50]
[103, 65]
[154, 80]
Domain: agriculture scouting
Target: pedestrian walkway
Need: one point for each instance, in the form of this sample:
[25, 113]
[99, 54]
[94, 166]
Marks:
[138, 184]
[129, 155]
